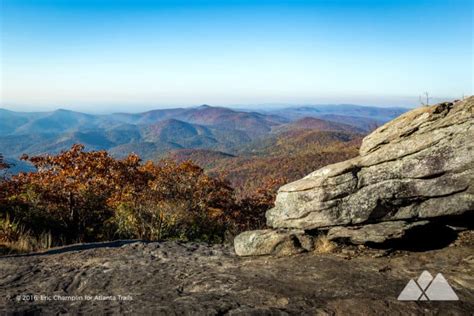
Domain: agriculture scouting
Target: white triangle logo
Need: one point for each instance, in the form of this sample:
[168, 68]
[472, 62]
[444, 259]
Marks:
[440, 290]
[411, 292]
[427, 288]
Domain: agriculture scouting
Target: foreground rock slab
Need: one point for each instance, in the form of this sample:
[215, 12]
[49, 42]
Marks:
[418, 166]
[194, 279]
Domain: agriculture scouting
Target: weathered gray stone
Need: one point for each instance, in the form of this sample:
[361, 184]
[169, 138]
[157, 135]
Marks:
[373, 233]
[188, 278]
[272, 242]
[420, 165]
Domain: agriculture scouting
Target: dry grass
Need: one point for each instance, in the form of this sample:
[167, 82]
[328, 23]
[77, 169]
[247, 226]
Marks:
[15, 239]
[324, 245]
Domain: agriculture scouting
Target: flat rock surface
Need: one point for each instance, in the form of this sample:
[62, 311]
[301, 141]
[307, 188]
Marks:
[189, 278]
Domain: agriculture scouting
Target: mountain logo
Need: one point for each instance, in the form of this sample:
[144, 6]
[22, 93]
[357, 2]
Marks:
[427, 288]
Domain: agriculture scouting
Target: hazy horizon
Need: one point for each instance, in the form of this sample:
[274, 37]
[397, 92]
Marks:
[115, 56]
[139, 108]
[105, 109]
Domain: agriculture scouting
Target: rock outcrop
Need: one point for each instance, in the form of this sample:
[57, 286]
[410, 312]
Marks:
[418, 166]
[177, 278]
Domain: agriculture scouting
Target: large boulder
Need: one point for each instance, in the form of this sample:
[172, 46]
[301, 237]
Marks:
[418, 166]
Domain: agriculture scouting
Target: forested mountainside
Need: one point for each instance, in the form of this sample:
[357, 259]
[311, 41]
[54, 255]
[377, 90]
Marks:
[339, 112]
[275, 160]
[154, 133]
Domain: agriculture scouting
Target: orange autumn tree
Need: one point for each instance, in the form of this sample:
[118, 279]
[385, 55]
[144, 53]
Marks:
[68, 193]
[87, 196]
[173, 201]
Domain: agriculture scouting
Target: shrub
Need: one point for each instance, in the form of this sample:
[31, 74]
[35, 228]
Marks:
[68, 193]
[177, 201]
[89, 196]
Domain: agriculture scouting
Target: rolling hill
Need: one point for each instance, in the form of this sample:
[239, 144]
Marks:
[318, 124]
[153, 134]
[363, 117]
[286, 154]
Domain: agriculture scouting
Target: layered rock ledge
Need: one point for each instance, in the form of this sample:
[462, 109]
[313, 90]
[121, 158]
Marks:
[419, 166]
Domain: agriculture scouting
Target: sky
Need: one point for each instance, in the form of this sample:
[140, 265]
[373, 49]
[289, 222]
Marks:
[116, 55]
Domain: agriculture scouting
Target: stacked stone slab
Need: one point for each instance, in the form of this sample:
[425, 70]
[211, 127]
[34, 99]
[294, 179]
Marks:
[416, 168]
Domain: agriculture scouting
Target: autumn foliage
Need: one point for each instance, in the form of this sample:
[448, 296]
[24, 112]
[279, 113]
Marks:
[81, 196]
[263, 167]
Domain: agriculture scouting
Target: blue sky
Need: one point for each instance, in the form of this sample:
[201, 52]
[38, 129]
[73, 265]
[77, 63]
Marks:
[133, 55]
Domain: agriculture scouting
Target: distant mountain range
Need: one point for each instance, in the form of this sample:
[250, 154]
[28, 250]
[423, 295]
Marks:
[370, 112]
[154, 134]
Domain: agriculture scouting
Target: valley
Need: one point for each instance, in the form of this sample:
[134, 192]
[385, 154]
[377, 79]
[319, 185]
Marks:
[235, 144]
